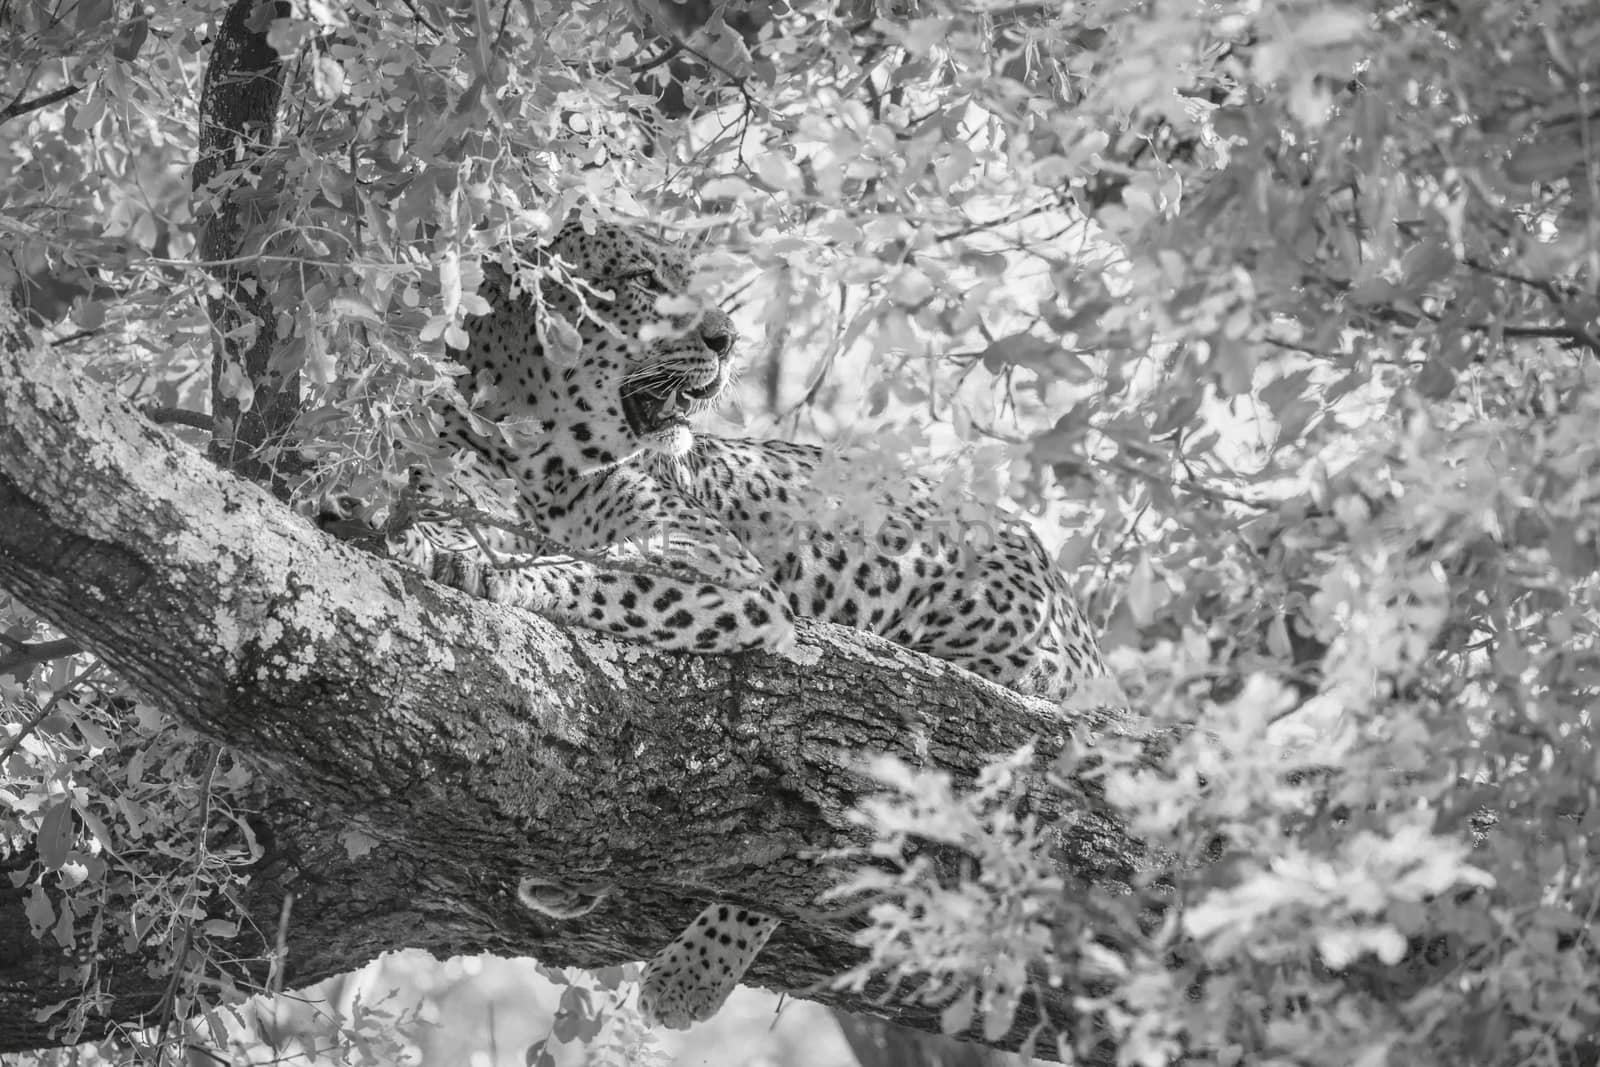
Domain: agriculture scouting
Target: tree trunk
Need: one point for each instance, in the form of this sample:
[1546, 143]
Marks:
[474, 743]
[255, 399]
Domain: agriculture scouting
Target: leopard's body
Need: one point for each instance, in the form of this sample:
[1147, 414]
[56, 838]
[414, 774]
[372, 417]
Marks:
[600, 456]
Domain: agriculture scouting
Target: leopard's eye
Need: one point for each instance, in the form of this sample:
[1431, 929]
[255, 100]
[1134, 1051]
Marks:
[648, 280]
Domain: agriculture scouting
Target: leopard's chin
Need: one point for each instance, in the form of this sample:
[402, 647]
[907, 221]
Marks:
[672, 442]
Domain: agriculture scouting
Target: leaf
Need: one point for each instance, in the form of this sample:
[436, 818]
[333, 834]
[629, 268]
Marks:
[92, 14]
[251, 844]
[1547, 159]
[63, 932]
[727, 187]
[1332, 26]
[235, 384]
[434, 327]
[90, 112]
[1278, 639]
[321, 365]
[73, 873]
[96, 829]
[1036, 354]
[222, 928]
[1146, 592]
[130, 38]
[357, 844]
[1178, 414]
[956, 1017]
[1426, 264]
[55, 836]
[327, 77]
[133, 813]
[90, 315]
[1026, 1049]
[725, 46]
[779, 171]
[997, 1020]
[41, 915]
[449, 268]
[93, 735]
[561, 340]
[1436, 380]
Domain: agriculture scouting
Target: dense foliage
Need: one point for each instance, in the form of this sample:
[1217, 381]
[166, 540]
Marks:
[1280, 319]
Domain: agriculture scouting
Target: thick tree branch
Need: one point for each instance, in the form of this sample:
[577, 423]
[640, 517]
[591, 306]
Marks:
[474, 743]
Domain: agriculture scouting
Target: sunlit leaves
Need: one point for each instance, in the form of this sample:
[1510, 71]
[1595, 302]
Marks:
[123, 829]
[967, 945]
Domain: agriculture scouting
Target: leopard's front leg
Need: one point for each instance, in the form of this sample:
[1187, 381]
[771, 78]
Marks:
[666, 610]
[690, 586]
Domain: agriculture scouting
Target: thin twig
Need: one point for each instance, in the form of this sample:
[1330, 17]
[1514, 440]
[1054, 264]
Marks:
[280, 952]
[500, 32]
[420, 17]
[169, 998]
[22, 107]
[71, 337]
[672, 49]
[180, 416]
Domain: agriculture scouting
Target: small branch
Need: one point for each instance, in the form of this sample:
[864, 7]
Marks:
[71, 337]
[280, 948]
[22, 107]
[181, 417]
[1570, 334]
[169, 997]
[412, 7]
[672, 49]
[28, 655]
[1560, 296]
[979, 227]
[43, 713]
[500, 32]
[1190, 483]
[1296, 346]
[1556, 293]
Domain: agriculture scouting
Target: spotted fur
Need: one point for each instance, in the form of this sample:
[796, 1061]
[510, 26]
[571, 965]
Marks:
[690, 978]
[601, 458]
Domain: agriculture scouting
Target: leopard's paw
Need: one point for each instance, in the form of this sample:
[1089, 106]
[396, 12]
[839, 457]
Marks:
[690, 978]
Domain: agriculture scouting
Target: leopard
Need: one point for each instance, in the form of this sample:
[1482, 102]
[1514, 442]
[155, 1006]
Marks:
[575, 424]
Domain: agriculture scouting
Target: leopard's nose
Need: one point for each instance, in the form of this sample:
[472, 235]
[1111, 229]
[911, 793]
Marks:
[717, 333]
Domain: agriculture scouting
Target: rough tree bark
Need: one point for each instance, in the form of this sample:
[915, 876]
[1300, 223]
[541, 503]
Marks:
[474, 743]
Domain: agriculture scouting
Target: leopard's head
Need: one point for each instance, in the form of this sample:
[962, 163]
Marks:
[618, 356]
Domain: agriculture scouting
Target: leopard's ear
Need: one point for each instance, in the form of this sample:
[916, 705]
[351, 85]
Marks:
[572, 223]
[577, 222]
[571, 226]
